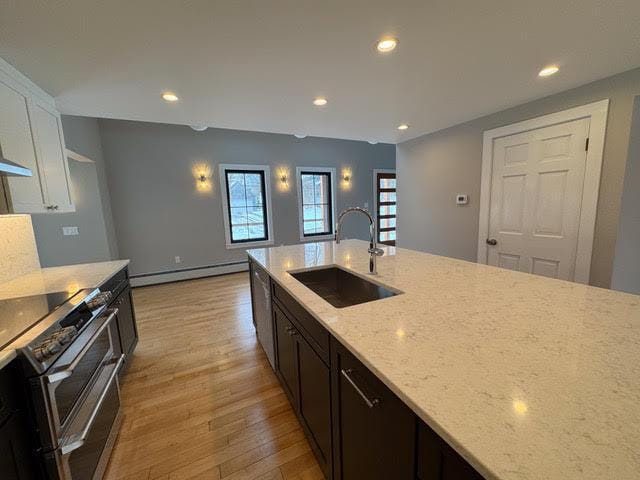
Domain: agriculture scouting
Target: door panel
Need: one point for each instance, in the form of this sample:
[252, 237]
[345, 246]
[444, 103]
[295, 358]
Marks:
[286, 355]
[385, 201]
[374, 431]
[536, 196]
[52, 159]
[17, 144]
[315, 400]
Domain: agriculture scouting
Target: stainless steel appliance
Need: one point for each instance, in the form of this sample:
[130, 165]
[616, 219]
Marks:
[262, 313]
[70, 359]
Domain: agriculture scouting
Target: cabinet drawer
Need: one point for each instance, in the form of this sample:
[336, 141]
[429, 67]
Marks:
[438, 461]
[315, 333]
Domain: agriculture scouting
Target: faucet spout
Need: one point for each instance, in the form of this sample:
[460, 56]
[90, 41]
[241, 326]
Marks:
[374, 251]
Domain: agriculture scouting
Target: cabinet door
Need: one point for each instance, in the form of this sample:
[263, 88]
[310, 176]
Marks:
[15, 458]
[315, 401]
[126, 322]
[374, 431]
[52, 159]
[438, 461]
[286, 355]
[17, 144]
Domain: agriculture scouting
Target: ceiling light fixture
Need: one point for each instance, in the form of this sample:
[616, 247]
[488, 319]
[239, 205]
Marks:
[387, 44]
[299, 135]
[548, 71]
[320, 101]
[372, 142]
[170, 97]
[403, 126]
[198, 127]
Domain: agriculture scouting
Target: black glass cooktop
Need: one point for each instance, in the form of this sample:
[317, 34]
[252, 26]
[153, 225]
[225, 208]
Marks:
[17, 315]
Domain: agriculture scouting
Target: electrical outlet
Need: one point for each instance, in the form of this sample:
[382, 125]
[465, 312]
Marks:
[177, 259]
[67, 231]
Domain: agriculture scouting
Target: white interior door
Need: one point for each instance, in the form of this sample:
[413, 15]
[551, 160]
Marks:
[536, 195]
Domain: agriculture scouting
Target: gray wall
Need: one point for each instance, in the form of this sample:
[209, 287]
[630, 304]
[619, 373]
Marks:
[96, 241]
[433, 168]
[626, 267]
[159, 213]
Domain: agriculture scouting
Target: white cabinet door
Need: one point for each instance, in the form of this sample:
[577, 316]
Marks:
[51, 158]
[28, 195]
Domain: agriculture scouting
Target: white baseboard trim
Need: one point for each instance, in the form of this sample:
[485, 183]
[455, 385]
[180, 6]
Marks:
[187, 274]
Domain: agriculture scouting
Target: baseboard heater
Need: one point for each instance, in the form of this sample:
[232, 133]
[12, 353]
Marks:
[167, 276]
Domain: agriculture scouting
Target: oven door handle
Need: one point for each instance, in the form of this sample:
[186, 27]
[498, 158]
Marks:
[82, 437]
[67, 371]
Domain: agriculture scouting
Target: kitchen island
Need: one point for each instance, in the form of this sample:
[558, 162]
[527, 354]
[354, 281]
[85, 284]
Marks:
[523, 376]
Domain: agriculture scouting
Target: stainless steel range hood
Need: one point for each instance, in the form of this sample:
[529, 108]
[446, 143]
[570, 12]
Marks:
[12, 169]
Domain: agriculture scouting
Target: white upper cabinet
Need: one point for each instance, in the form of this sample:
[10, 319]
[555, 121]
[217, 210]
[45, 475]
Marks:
[31, 135]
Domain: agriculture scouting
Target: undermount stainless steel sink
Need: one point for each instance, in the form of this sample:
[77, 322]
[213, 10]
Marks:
[341, 288]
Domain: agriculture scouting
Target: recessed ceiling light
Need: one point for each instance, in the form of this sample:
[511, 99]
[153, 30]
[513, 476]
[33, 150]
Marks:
[387, 44]
[548, 71]
[320, 101]
[372, 142]
[403, 126]
[198, 127]
[299, 135]
[170, 97]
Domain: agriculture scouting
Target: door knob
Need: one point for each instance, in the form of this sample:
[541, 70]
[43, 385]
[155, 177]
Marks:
[492, 241]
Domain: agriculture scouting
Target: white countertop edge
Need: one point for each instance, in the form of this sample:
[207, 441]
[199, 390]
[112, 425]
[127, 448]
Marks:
[424, 416]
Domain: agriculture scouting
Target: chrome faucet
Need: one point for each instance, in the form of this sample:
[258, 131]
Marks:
[374, 251]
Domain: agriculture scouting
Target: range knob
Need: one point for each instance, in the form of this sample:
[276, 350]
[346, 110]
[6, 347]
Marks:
[47, 349]
[99, 300]
[65, 335]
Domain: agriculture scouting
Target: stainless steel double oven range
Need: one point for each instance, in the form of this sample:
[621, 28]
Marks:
[71, 360]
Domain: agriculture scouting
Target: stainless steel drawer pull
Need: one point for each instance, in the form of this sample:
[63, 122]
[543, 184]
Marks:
[370, 403]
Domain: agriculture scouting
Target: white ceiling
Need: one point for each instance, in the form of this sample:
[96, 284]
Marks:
[257, 65]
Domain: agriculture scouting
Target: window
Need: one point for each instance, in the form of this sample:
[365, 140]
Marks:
[315, 201]
[385, 191]
[246, 204]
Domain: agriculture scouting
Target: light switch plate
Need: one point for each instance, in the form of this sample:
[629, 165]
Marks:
[67, 231]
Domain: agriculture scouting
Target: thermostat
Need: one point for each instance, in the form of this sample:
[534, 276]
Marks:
[462, 199]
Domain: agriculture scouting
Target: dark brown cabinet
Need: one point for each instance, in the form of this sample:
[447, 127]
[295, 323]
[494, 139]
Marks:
[126, 322]
[374, 431]
[438, 461]
[306, 380]
[286, 355]
[357, 427]
[16, 462]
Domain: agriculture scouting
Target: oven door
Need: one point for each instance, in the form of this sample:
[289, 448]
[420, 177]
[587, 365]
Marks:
[73, 375]
[85, 448]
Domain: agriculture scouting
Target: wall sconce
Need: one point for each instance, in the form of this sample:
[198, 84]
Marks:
[346, 179]
[202, 174]
[283, 179]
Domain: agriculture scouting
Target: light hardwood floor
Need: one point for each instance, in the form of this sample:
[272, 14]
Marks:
[200, 399]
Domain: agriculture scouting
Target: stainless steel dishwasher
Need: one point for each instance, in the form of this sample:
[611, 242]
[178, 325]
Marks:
[262, 312]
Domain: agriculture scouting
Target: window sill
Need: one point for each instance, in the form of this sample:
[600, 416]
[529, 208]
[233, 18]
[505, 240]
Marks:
[318, 238]
[262, 243]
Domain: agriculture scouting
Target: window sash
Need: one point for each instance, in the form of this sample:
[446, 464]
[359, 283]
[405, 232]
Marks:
[324, 205]
[262, 206]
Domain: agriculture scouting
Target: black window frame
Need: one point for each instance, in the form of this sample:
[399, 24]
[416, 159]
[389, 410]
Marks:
[329, 175]
[263, 187]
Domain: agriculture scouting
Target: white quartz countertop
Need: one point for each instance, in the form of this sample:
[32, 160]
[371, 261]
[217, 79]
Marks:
[66, 278]
[526, 377]
[69, 278]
